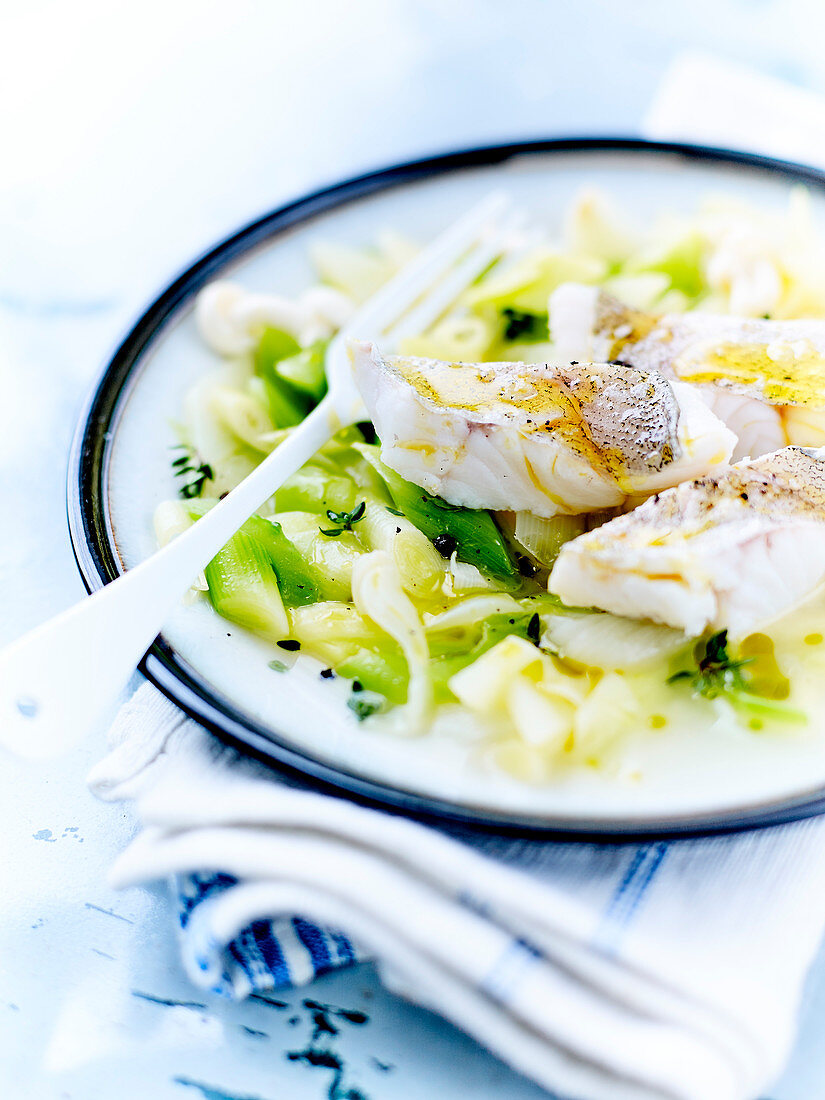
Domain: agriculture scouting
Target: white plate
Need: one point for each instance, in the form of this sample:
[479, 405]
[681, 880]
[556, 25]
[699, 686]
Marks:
[702, 779]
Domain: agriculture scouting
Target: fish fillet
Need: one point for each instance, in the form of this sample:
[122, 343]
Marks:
[745, 368]
[731, 550]
[535, 437]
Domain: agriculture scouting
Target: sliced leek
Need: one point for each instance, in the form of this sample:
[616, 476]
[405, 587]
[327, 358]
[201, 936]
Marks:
[314, 489]
[419, 564]
[608, 641]
[244, 589]
[474, 534]
[544, 538]
[384, 671]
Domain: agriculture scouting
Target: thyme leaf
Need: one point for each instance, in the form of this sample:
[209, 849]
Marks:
[343, 520]
[193, 471]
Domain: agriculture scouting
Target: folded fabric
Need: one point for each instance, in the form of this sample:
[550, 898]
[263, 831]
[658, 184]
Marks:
[660, 970]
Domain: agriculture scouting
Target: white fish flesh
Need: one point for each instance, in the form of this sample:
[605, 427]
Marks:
[780, 362]
[536, 437]
[759, 428]
[731, 551]
[746, 369]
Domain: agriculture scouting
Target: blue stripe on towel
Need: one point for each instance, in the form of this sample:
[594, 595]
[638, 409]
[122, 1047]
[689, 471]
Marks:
[271, 952]
[234, 949]
[344, 951]
[641, 871]
[192, 889]
[314, 941]
[507, 972]
[257, 959]
[264, 959]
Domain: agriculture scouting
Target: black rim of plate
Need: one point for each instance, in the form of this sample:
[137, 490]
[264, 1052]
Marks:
[94, 549]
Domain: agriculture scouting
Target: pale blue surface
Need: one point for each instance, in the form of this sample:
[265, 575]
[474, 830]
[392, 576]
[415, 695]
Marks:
[133, 142]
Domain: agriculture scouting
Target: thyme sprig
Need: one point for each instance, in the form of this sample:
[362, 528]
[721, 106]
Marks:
[343, 520]
[192, 469]
[716, 672]
[717, 675]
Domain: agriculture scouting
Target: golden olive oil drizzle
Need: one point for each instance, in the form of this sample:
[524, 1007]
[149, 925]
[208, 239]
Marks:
[764, 675]
[784, 374]
[551, 404]
[622, 324]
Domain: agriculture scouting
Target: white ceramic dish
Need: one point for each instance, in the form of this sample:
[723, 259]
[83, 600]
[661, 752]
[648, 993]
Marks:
[699, 780]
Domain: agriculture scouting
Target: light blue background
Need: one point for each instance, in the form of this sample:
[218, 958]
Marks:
[131, 136]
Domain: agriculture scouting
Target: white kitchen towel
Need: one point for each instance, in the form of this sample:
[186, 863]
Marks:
[656, 971]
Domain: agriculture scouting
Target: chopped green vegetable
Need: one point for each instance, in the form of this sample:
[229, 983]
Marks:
[758, 707]
[681, 259]
[243, 586]
[382, 668]
[527, 283]
[287, 405]
[297, 578]
[383, 671]
[189, 466]
[454, 651]
[275, 345]
[548, 603]
[465, 339]
[305, 371]
[294, 377]
[543, 537]
[314, 489]
[524, 326]
[256, 573]
[478, 539]
[364, 703]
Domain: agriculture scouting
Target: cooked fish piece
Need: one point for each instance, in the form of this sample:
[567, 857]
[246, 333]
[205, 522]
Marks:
[536, 437]
[731, 550]
[765, 364]
[779, 362]
[759, 428]
[802, 426]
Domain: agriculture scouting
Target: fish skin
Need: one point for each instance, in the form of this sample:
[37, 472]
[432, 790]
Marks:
[726, 551]
[744, 368]
[535, 437]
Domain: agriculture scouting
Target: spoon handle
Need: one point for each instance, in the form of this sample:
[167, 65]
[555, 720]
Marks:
[65, 677]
